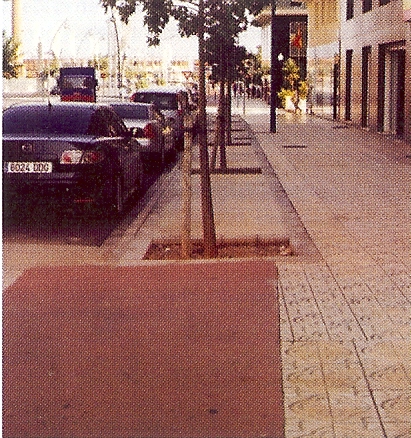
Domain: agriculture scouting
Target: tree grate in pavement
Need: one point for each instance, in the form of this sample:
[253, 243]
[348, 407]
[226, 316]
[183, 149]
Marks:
[232, 171]
[170, 249]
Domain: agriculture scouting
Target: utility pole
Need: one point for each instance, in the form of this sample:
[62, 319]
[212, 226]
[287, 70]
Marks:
[119, 72]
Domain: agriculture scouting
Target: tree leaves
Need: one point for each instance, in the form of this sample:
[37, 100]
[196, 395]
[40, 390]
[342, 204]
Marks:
[10, 57]
[224, 19]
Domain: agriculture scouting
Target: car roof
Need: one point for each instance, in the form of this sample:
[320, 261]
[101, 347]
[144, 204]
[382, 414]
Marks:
[163, 89]
[61, 117]
[140, 104]
[42, 106]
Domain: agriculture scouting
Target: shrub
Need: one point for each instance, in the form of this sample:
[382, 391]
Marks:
[283, 94]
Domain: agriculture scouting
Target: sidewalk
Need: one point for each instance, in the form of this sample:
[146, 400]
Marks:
[345, 318]
[342, 196]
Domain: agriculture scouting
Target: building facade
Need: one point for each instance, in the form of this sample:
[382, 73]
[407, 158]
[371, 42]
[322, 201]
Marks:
[376, 66]
[323, 55]
[359, 62]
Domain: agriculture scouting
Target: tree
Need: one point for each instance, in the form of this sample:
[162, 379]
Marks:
[202, 18]
[226, 70]
[11, 65]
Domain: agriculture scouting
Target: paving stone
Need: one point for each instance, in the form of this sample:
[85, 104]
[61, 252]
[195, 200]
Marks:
[359, 428]
[394, 406]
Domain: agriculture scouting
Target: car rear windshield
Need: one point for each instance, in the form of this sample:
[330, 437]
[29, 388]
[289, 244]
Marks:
[163, 101]
[77, 82]
[46, 120]
[132, 111]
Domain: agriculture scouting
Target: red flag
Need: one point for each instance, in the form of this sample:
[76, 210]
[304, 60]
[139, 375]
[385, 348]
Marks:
[297, 40]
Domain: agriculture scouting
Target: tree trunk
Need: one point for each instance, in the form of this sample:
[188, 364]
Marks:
[209, 234]
[221, 117]
[221, 125]
[228, 108]
[186, 190]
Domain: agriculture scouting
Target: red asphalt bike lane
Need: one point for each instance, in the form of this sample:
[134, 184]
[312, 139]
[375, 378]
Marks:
[159, 350]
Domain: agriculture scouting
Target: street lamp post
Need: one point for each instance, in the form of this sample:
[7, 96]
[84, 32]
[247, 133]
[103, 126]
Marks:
[275, 72]
[119, 72]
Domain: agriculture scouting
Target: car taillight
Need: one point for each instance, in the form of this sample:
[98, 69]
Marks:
[76, 156]
[149, 131]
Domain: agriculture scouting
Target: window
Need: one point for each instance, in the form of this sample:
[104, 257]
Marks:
[46, 120]
[116, 125]
[348, 83]
[350, 9]
[366, 5]
[366, 60]
[384, 2]
[132, 111]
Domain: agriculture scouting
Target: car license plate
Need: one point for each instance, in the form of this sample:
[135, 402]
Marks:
[29, 167]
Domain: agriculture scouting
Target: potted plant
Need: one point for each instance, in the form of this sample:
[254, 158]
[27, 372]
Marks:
[293, 95]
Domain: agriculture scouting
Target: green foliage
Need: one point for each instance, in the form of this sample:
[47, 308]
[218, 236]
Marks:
[101, 64]
[283, 94]
[141, 82]
[303, 89]
[291, 74]
[160, 81]
[51, 69]
[11, 66]
[223, 18]
[293, 86]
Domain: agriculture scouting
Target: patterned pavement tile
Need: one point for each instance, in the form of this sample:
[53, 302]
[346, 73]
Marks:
[309, 429]
[359, 429]
[394, 406]
[392, 377]
[397, 430]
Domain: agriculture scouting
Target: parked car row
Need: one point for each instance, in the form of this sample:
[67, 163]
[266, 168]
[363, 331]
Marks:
[89, 154]
[80, 153]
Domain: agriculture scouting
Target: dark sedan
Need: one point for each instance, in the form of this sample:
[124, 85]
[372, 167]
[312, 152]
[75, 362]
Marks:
[81, 153]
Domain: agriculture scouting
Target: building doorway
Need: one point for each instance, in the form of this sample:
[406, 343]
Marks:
[392, 90]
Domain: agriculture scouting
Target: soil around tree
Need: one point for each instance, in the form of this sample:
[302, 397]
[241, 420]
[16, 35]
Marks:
[170, 249]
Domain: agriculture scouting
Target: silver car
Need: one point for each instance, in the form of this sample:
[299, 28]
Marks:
[173, 102]
[148, 127]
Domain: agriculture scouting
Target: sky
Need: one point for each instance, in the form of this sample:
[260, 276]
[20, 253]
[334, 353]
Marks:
[80, 28]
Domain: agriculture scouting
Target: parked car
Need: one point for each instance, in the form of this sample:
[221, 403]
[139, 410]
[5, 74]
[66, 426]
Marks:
[173, 102]
[148, 126]
[80, 153]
